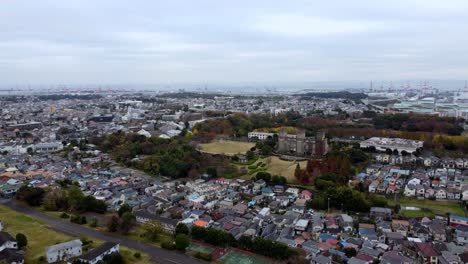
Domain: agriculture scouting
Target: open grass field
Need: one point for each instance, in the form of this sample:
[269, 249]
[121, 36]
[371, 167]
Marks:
[40, 236]
[234, 257]
[437, 207]
[414, 214]
[226, 147]
[277, 166]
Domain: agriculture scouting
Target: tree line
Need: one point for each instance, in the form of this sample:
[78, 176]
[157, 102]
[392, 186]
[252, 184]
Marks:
[258, 245]
[57, 199]
[169, 157]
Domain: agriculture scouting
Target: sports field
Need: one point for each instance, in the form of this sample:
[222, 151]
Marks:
[234, 257]
[199, 248]
[226, 147]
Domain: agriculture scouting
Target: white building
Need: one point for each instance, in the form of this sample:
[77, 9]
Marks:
[393, 144]
[48, 146]
[64, 251]
[260, 135]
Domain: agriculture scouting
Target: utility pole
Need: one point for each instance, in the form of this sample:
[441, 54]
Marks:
[328, 205]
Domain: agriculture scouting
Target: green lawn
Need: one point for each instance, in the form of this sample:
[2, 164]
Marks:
[137, 233]
[40, 236]
[437, 207]
[226, 147]
[414, 214]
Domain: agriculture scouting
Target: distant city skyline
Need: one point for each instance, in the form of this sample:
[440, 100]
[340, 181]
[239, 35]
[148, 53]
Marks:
[241, 44]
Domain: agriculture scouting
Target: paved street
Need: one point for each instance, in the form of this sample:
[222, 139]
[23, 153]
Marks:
[157, 254]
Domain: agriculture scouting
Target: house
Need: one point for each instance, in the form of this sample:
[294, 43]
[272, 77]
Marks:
[456, 220]
[448, 257]
[394, 238]
[410, 190]
[97, 254]
[11, 256]
[400, 226]
[461, 235]
[441, 194]
[240, 208]
[301, 225]
[427, 253]
[321, 259]
[345, 222]
[143, 216]
[438, 231]
[64, 251]
[422, 233]
[373, 186]
[381, 213]
[430, 193]
[317, 225]
[306, 194]
[7, 241]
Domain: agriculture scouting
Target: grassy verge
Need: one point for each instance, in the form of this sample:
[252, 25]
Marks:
[40, 236]
[137, 233]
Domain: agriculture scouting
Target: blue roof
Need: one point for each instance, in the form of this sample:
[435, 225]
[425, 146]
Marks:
[366, 231]
[325, 236]
[266, 190]
[458, 217]
[362, 175]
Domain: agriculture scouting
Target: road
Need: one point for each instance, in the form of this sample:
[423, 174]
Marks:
[156, 254]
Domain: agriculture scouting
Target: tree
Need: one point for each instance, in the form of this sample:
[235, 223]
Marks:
[250, 155]
[21, 240]
[114, 258]
[31, 195]
[297, 172]
[128, 220]
[75, 196]
[182, 242]
[113, 224]
[182, 229]
[153, 229]
[30, 150]
[56, 199]
[124, 208]
[350, 252]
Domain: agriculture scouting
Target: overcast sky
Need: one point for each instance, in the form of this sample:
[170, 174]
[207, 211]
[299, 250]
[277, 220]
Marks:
[173, 41]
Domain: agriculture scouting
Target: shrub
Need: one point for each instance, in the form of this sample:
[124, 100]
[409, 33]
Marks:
[137, 255]
[93, 222]
[168, 244]
[203, 256]
[64, 215]
[182, 242]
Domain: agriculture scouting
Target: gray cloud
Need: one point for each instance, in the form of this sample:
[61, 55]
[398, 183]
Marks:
[116, 41]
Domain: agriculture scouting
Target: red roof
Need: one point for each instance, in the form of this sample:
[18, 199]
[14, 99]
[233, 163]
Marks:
[200, 223]
[364, 257]
[426, 249]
